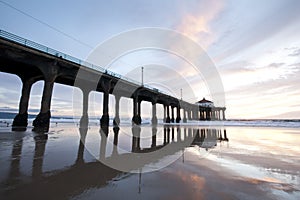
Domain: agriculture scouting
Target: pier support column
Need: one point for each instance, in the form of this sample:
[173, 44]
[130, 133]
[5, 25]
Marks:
[178, 118]
[208, 115]
[189, 114]
[106, 86]
[195, 113]
[116, 121]
[84, 120]
[135, 118]
[139, 112]
[184, 116]
[154, 118]
[168, 120]
[104, 121]
[202, 115]
[165, 114]
[172, 110]
[21, 119]
[42, 120]
[200, 112]
[223, 112]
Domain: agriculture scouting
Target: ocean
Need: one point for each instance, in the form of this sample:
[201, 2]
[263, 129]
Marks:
[234, 159]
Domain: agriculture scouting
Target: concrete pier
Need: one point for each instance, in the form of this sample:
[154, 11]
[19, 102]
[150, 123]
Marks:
[104, 121]
[136, 117]
[184, 116]
[172, 111]
[178, 118]
[116, 121]
[16, 57]
[42, 121]
[154, 117]
[21, 119]
[84, 120]
[168, 120]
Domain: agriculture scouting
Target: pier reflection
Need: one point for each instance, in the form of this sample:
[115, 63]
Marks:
[208, 138]
[81, 175]
[15, 160]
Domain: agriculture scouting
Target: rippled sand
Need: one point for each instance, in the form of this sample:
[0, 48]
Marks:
[246, 163]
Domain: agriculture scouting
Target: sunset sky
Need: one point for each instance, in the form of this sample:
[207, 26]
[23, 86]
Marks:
[255, 46]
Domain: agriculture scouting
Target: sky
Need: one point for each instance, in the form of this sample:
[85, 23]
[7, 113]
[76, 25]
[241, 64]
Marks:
[254, 45]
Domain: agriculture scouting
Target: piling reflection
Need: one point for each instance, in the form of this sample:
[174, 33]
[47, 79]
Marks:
[116, 130]
[82, 175]
[148, 152]
[208, 138]
[15, 160]
[39, 151]
[83, 133]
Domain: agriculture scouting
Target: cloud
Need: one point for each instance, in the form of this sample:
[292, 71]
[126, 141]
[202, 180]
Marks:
[243, 73]
[15, 110]
[286, 115]
[247, 29]
[197, 25]
[273, 98]
[296, 53]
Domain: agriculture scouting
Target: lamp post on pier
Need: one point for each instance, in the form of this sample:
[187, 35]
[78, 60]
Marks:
[142, 76]
[181, 94]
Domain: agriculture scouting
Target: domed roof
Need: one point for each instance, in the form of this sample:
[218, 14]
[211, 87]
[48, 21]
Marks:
[204, 101]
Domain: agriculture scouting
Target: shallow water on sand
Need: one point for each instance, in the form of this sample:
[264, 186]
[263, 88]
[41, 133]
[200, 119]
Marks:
[163, 162]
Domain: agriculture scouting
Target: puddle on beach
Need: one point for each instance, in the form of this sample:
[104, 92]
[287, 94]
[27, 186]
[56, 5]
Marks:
[146, 162]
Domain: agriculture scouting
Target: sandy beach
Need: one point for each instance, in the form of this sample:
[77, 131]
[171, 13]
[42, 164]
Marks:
[252, 163]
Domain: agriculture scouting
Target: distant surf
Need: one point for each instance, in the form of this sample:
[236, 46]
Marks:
[292, 123]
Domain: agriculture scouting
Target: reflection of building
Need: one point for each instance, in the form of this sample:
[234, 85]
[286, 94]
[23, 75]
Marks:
[209, 112]
[208, 138]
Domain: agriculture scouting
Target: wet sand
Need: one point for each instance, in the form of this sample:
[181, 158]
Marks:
[251, 163]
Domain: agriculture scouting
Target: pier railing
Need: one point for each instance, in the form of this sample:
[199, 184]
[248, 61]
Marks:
[28, 43]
